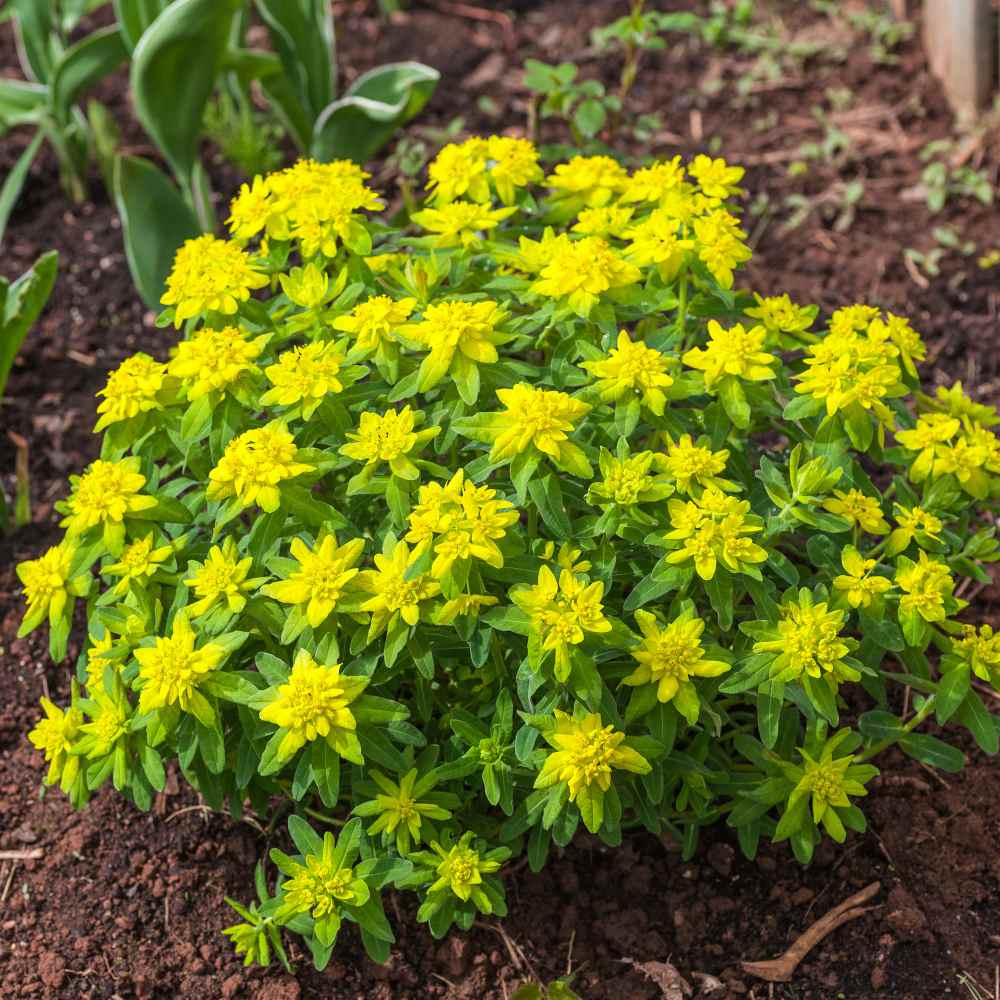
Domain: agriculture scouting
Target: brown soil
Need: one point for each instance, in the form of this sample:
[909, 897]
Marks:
[122, 904]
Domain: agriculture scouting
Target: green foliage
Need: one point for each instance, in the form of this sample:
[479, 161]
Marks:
[457, 533]
[179, 99]
[942, 181]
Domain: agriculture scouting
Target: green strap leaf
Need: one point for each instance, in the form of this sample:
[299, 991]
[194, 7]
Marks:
[156, 220]
[25, 299]
[14, 181]
[39, 47]
[21, 103]
[302, 34]
[378, 103]
[135, 16]
[82, 65]
[174, 68]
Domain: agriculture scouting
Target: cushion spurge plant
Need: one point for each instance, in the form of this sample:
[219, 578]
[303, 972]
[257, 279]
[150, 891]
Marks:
[456, 544]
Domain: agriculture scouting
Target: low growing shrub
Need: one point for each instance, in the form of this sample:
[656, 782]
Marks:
[450, 536]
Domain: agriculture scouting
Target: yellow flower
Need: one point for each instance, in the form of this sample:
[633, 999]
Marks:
[719, 246]
[172, 670]
[319, 582]
[460, 170]
[306, 286]
[98, 660]
[954, 401]
[926, 583]
[829, 781]
[462, 606]
[541, 419]
[109, 722]
[852, 319]
[461, 521]
[669, 657]
[588, 181]
[608, 220]
[627, 481]
[317, 204]
[930, 438]
[459, 335]
[251, 210]
[213, 360]
[562, 611]
[857, 582]
[715, 177]
[656, 242]
[778, 314]
[632, 369]
[735, 351]
[313, 704]
[105, 495]
[907, 341]
[222, 579]
[134, 387]
[399, 811]
[807, 641]
[253, 465]
[653, 182]
[461, 871]
[513, 163]
[374, 322]
[210, 275]
[913, 523]
[581, 271]
[460, 223]
[48, 587]
[55, 735]
[585, 753]
[389, 437]
[714, 528]
[981, 651]
[858, 509]
[694, 466]
[304, 374]
[138, 563]
[392, 593]
[319, 888]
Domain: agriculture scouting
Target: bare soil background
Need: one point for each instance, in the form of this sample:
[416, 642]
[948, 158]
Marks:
[125, 904]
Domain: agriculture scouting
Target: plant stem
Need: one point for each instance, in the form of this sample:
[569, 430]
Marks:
[877, 748]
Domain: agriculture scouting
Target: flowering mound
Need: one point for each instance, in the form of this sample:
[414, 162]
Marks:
[461, 532]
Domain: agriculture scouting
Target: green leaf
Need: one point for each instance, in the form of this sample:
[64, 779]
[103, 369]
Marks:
[984, 726]
[14, 181]
[25, 299]
[21, 103]
[156, 220]
[39, 46]
[952, 689]
[82, 65]
[302, 34]
[770, 699]
[375, 106]
[547, 497]
[174, 69]
[933, 752]
[877, 726]
[135, 16]
[734, 401]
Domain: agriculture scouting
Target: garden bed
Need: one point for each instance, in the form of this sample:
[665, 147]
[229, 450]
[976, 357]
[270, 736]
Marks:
[122, 903]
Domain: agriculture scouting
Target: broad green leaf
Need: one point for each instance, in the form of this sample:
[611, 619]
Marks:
[984, 726]
[21, 103]
[156, 220]
[376, 105]
[82, 65]
[174, 69]
[934, 752]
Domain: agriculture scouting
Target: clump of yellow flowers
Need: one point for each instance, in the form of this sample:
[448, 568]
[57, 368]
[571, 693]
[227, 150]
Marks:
[462, 531]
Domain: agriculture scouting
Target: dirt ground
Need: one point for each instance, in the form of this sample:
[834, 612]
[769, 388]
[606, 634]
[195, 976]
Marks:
[122, 904]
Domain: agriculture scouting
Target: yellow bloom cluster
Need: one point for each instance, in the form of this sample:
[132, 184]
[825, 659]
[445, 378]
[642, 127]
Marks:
[715, 528]
[562, 610]
[459, 521]
[470, 169]
[134, 387]
[253, 465]
[632, 370]
[214, 360]
[947, 445]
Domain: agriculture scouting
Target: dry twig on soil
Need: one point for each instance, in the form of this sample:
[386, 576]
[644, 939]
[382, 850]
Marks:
[781, 970]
